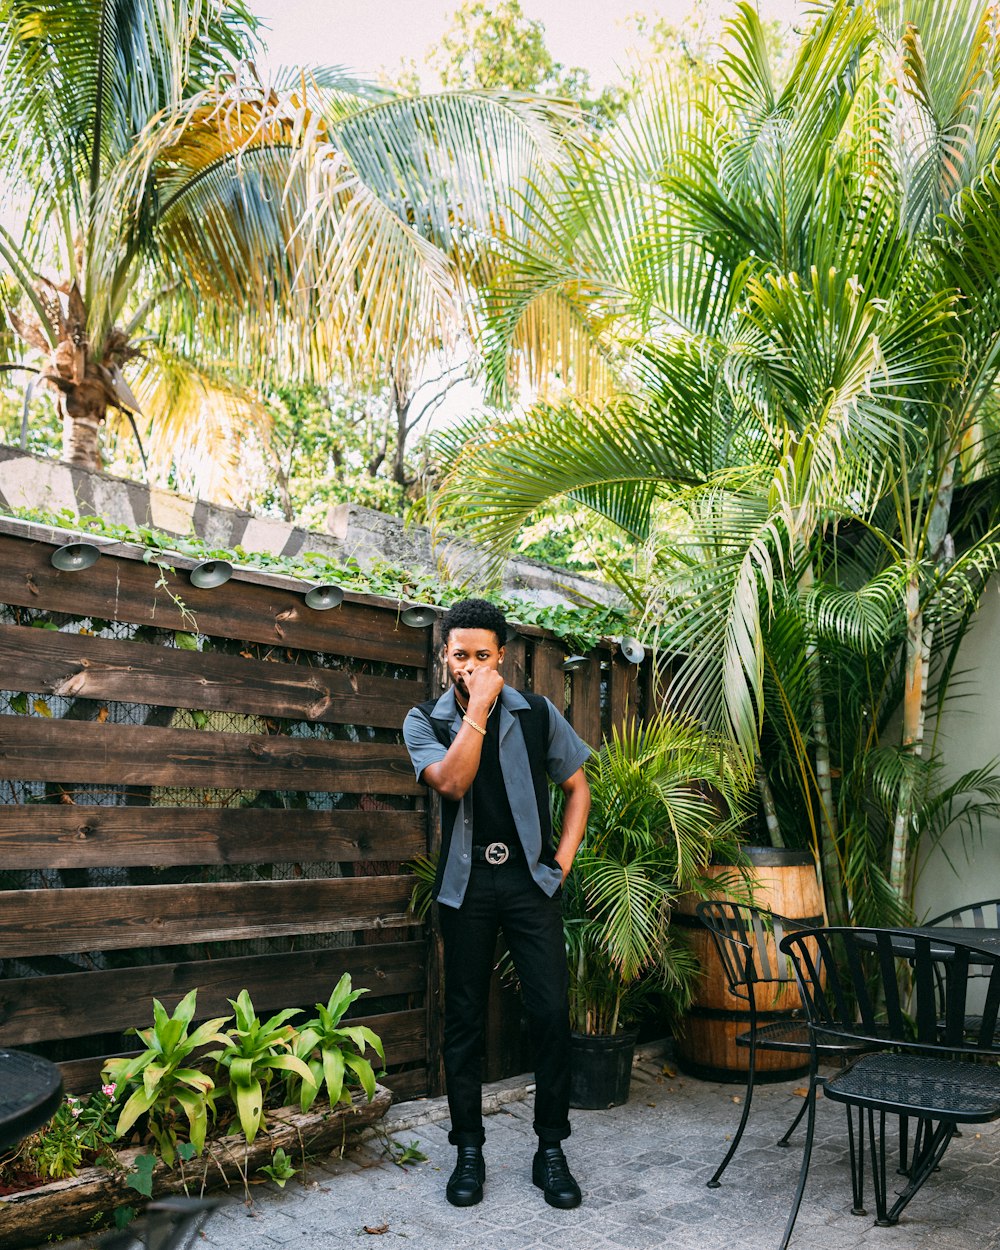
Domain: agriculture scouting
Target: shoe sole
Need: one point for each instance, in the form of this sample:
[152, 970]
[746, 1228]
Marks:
[563, 1204]
[471, 1201]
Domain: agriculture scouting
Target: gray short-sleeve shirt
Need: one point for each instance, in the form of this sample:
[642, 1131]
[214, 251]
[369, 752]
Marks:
[565, 753]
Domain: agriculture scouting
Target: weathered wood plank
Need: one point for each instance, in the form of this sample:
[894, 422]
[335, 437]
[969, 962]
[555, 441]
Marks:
[514, 670]
[125, 590]
[74, 836]
[84, 667]
[624, 691]
[403, 1034]
[407, 1085]
[547, 676]
[585, 700]
[41, 922]
[39, 1009]
[55, 750]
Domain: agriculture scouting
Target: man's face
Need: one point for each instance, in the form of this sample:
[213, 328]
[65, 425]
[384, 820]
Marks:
[469, 649]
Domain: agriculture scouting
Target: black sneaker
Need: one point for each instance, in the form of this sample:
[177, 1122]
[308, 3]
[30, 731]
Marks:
[550, 1172]
[465, 1185]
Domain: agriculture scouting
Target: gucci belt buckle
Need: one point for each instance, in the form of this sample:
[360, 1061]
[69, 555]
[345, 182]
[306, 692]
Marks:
[497, 853]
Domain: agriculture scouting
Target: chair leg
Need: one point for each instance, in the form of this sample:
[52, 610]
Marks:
[747, 1096]
[904, 1135]
[878, 1166]
[936, 1143]
[857, 1162]
[806, 1156]
[784, 1141]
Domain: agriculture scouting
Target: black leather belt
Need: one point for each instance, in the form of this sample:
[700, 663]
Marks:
[496, 854]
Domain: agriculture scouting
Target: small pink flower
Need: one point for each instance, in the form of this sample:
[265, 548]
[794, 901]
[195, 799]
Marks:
[108, 1090]
[76, 1110]
[70, 1099]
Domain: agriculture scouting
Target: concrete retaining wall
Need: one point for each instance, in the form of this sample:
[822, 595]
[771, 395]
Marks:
[28, 481]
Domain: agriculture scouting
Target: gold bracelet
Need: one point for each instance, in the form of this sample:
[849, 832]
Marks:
[478, 728]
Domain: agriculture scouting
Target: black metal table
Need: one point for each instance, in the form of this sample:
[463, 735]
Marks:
[985, 939]
[30, 1093]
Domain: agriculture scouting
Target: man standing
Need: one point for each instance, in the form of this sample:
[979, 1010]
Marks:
[489, 751]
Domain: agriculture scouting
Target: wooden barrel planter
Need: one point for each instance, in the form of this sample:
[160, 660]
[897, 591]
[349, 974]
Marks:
[784, 882]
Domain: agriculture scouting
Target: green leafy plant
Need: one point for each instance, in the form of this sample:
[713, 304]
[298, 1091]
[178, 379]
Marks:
[333, 1051]
[140, 1177]
[165, 1079]
[251, 1054]
[123, 1216]
[92, 1118]
[424, 870]
[795, 439]
[402, 1155]
[580, 627]
[665, 797]
[79, 1133]
[280, 1168]
[56, 1151]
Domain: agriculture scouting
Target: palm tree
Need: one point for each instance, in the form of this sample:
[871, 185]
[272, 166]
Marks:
[783, 366]
[190, 230]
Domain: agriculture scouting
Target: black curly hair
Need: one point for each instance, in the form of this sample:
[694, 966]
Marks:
[474, 614]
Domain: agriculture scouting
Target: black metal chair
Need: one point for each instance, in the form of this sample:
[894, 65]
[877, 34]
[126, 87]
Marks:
[982, 916]
[985, 915]
[972, 916]
[922, 1066]
[746, 940]
[169, 1224]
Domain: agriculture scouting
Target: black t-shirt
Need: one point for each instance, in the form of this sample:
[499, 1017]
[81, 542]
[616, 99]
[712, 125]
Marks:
[492, 819]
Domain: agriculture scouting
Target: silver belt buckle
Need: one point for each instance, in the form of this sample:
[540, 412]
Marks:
[497, 853]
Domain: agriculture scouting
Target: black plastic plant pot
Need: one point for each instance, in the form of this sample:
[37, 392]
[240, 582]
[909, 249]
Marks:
[601, 1069]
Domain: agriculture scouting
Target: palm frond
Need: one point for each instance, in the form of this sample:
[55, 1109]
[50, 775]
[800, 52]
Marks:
[862, 619]
[204, 430]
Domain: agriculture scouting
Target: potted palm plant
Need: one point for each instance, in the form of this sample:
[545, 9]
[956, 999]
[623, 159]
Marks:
[666, 797]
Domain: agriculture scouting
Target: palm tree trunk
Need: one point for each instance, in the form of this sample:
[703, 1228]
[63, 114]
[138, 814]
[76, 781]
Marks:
[83, 407]
[833, 886]
[913, 718]
[767, 802]
[918, 649]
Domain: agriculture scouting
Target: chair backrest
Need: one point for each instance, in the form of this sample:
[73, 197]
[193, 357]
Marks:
[985, 915]
[747, 939]
[884, 985]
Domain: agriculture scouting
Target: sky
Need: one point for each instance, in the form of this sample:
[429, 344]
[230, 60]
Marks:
[367, 35]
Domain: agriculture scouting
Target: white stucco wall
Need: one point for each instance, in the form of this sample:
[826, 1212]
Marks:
[969, 737]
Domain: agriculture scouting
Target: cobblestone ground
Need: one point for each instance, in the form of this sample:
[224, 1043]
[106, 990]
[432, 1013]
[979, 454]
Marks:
[643, 1169]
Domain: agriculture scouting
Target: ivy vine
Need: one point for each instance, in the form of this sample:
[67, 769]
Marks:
[580, 627]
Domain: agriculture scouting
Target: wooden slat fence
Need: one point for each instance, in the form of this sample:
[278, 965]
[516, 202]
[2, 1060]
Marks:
[209, 788]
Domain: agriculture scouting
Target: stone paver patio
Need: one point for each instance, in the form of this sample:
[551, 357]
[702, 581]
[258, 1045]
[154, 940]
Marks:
[642, 1168]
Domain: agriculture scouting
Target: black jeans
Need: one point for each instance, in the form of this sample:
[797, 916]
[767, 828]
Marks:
[505, 898]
